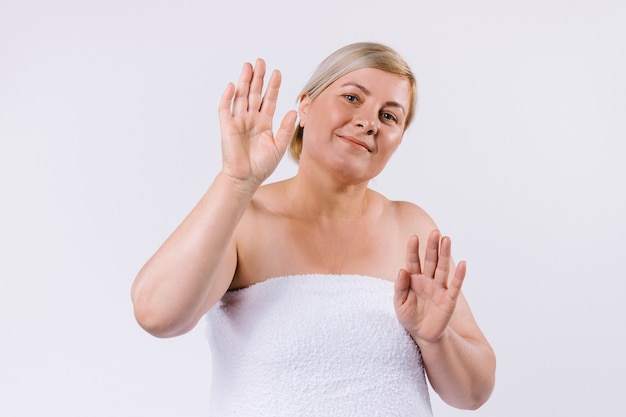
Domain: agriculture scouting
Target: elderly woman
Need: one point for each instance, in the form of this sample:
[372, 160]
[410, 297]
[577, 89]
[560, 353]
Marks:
[322, 297]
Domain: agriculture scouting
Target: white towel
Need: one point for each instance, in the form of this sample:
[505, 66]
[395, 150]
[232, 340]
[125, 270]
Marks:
[313, 345]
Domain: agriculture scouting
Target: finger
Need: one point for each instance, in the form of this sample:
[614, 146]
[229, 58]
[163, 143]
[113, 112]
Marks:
[224, 108]
[432, 253]
[443, 263]
[454, 289]
[256, 86]
[240, 103]
[285, 131]
[268, 106]
[413, 265]
[401, 287]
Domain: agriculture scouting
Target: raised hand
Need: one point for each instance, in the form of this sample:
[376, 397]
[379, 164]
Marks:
[424, 300]
[250, 149]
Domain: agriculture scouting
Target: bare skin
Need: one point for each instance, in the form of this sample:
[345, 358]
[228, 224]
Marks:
[323, 220]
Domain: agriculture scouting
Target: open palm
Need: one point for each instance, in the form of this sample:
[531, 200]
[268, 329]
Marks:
[425, 299]
[250, 150]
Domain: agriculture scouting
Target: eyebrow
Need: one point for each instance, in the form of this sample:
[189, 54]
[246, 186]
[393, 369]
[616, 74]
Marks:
[368, 93]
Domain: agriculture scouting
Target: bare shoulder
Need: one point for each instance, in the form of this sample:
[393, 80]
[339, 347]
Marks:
[262, 208]
[268, 199]
[412, 216]
[399, 220]
[261, 238]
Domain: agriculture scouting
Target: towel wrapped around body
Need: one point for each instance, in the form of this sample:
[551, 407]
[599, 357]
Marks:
[313, 345]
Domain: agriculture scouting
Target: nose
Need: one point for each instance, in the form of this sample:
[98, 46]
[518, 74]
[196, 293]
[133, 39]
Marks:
[369, 125]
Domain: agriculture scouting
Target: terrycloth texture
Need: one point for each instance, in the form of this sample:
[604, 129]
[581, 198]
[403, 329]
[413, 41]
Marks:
[314, 345]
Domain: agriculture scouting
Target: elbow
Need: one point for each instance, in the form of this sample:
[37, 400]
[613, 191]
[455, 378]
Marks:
[473, 399]
[473, 393]
[153, 316]
[483, 389]
[478, 400]
[149, 319]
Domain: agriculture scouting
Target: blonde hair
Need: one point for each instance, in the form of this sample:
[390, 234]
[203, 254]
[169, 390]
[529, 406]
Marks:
[347, 59]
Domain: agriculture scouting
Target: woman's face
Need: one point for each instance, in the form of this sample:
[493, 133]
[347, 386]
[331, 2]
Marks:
[356, 123]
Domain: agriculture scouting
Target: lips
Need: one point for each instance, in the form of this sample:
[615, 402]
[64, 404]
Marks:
[357, 142]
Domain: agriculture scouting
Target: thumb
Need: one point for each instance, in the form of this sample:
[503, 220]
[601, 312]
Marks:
[285, 131]
[401, 287]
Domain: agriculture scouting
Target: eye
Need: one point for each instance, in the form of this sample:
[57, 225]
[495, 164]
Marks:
[351, 98]
[389, 117]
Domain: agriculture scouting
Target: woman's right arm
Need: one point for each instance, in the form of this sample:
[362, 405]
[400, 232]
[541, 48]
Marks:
[195, 266]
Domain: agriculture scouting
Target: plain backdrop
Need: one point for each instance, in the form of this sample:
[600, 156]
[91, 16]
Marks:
[109, 135]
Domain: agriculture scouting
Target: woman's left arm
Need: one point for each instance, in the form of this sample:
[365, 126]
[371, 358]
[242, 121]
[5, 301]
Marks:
[458, 359]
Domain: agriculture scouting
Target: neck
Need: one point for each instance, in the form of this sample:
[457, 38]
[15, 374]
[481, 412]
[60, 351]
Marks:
[320, 196]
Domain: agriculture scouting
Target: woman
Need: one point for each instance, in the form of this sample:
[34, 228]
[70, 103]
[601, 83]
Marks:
[322, 296]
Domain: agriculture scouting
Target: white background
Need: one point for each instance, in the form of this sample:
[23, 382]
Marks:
[109, 135]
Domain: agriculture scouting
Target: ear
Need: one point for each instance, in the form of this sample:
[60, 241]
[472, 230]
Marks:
[303, 108]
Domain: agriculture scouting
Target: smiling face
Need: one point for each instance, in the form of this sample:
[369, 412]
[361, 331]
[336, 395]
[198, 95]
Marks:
[356, 123]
